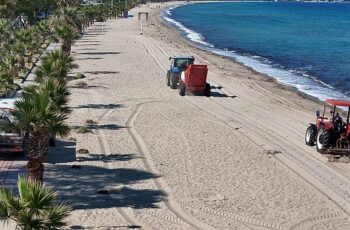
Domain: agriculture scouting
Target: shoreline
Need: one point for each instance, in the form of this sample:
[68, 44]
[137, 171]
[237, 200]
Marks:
[197, 45]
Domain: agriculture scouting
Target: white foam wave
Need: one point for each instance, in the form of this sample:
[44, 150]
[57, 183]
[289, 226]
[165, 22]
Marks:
[190, 34]
[306, 84]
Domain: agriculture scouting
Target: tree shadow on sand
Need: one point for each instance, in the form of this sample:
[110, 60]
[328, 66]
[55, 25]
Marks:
[97, 53]
[96, 126]
[98, 106]
[80, 49]
[108, 158]
[90, 35]
[86, 41]
[101, 72]
[87, 86]
[64, 151]
[79, 187]
[89, 58]
[89, 44]
[108, 227]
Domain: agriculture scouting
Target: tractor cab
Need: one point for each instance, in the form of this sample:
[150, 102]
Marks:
[181, 62]
[330, 133]
[335, 121]
[178, 64]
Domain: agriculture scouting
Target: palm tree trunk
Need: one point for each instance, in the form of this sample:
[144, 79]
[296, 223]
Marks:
[38, 149]
[35, 168]
[66, 47]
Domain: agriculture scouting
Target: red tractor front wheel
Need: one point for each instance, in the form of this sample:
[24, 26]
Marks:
[310, 135]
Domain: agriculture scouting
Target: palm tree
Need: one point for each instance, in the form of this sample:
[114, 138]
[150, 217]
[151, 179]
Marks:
[6, 83]
[5, 31]
[66, 34]
[27, 39]
[67, 16]
[34, 113]
[34, 208]
[56, 64]
[18, 50]
[8, 72]
[37, 118]
[58, 93]
[9, 65]
[59, 96]
[57, 127]
[43, 31]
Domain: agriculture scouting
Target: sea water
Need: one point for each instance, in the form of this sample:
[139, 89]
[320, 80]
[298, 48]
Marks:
[306, 45]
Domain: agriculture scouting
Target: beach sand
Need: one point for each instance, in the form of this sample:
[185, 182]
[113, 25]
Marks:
[236, 160]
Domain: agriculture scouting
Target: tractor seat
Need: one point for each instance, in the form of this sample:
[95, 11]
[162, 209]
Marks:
[339, 126]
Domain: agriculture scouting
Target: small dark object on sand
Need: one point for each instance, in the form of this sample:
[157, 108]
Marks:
[134, 226]
[76, 167]
[273, 152]
[83, 151]
[72, 139]
[90, 122]
[84, 129]
[80, 76]
[103, 192]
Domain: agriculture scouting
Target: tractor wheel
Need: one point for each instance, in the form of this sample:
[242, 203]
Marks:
[310, 135]
[323, 139]
[182, 89]
[173, 85]
[207, 90]
[168, 79]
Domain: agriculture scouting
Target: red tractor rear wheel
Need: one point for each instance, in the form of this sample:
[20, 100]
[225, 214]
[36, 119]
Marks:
[323, 139]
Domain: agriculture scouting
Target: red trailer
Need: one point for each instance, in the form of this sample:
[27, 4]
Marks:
[194, 80]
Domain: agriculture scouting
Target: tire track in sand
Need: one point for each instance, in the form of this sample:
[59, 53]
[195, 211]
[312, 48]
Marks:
[126, 213]
[170, 203]
[305, 175]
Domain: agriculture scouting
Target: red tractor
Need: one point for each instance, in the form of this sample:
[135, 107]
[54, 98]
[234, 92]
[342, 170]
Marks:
[194, 80]
[330, 135]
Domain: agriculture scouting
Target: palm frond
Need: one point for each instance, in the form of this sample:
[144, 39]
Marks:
[4, 212]
[12, 203]
[35, 196]
[56, 215]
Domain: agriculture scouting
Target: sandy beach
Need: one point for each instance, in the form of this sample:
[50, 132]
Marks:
[236, 160]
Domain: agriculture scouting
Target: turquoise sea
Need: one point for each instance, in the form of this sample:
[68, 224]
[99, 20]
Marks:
[306, 45]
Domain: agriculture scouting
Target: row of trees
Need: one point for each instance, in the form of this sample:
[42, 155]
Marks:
[19, 47]
[42, 112]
